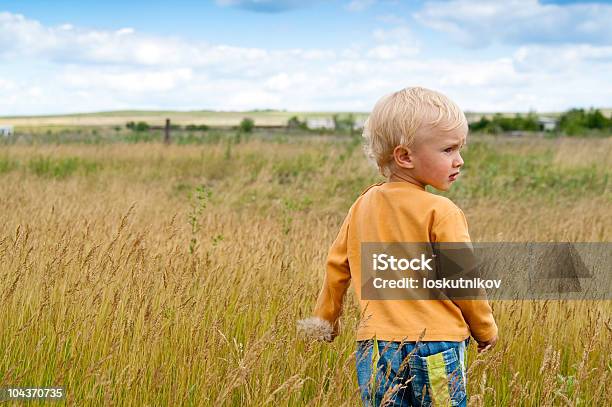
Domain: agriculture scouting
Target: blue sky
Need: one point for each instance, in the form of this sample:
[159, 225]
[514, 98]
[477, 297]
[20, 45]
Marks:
[304, 26]
[517, 55]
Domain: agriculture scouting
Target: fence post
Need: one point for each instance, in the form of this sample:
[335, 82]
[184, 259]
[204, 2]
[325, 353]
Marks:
[167, 132]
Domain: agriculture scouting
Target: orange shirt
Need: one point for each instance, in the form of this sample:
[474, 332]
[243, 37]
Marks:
[400, 212]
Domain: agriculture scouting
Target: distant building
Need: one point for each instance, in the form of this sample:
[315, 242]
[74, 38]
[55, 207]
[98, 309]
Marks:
[547, 123]
[320, 123]
[6, 130]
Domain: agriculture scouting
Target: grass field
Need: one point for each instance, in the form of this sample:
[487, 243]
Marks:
[157, 118]
[143, 274]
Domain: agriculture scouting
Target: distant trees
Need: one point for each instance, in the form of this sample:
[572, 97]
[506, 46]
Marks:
[576, 121]
[247, 124]
[295, 123]
[144, 126]
[344, 123]
[140, 126]
[194, 127]
[499, 123]
[573, 122]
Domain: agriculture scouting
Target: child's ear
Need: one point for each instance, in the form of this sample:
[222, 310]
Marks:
[403, 157]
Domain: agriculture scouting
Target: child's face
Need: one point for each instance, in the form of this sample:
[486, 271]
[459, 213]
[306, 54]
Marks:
[436, 156]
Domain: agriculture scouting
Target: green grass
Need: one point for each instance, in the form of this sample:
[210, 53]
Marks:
[7, 164]
[490, 171]
[61, 168]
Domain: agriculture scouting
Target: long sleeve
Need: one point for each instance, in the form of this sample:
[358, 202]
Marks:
[451, 228]
[337, 280]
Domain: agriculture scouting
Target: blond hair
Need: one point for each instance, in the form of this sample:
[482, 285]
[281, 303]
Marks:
[397, 117]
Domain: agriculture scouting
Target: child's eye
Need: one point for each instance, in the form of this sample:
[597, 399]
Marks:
[448, 150]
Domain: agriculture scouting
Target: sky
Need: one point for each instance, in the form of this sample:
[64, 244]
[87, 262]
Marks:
[71, 56]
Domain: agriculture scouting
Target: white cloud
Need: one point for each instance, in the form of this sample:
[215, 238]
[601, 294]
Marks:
[125, 31]
[476, 23]
[6, 84]
[126, 81]
[55, 69]
[391, 52]
[394, 43]
[398, 34]
[558, 59]
[496, 73]
[23, 37]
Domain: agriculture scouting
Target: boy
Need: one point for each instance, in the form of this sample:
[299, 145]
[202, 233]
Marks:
[409, 352]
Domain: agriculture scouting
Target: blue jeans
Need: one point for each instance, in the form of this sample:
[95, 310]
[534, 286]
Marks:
[406, 376]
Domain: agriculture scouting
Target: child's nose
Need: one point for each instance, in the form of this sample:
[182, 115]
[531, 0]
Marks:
[458, 161]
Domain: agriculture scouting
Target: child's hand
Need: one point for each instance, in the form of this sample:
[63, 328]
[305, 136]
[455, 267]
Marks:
[316, 329]
[485, 346]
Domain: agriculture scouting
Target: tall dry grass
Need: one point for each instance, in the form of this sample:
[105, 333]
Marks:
[101, 293]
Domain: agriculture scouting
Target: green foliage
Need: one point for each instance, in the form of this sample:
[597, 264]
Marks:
[140, 126]
[578, 121]
[500, 123]
[247, 125]
[181, 187]
[196, 127]
[287, 170]
[279, 139]
[7, 164]
[292, 207]
[191, 138]
[295, 123]
[498, 172]
[573, 122]
[344, 122]
[141, 137]
[60, 167]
